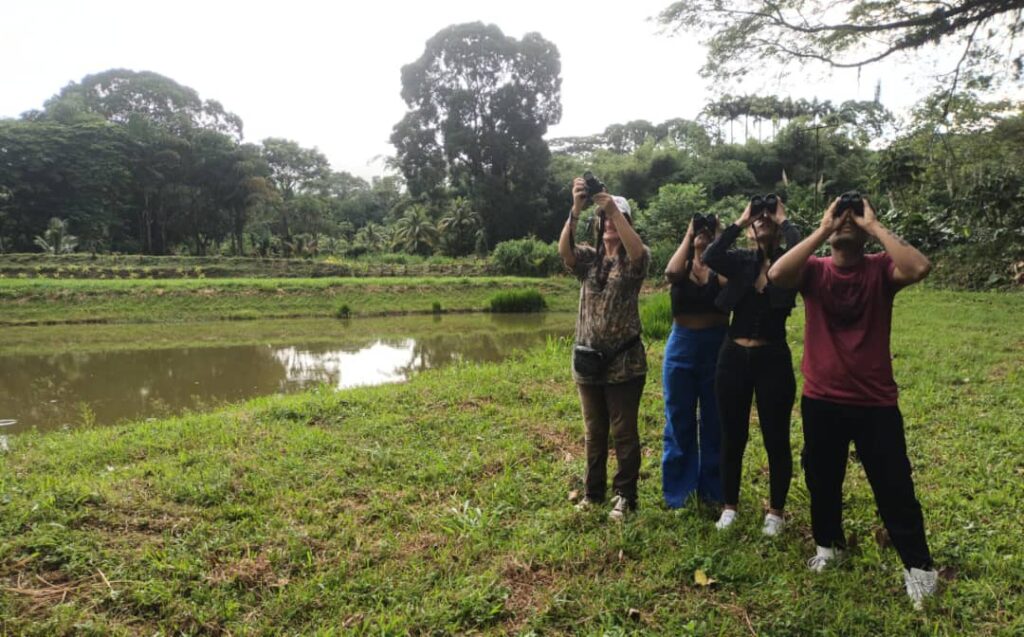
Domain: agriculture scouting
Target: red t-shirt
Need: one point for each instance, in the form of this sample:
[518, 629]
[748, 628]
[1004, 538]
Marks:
[846, 334]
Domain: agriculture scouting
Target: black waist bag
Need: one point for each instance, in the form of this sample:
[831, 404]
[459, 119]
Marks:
[592, 363]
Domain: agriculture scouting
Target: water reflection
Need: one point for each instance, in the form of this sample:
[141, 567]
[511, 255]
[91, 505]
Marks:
[67, 389]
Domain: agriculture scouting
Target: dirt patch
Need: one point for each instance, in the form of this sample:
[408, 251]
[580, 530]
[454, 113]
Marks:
[247, 572]
[528, 585]
[558, 442]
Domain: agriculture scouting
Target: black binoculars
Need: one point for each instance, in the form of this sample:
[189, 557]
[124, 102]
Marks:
[703, 223]
[763, 205]
[594, 185]
[849, 201]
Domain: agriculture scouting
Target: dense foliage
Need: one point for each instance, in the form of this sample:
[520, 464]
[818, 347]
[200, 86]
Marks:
[135, 163]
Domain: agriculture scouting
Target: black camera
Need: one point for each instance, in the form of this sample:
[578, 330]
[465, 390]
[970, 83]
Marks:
[850, 201]
[594, 185]
[703, 223]
[763, 205]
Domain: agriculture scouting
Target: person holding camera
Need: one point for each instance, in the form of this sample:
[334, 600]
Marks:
[690, 457]
[849, 392]
[755, 359]
[609, 361]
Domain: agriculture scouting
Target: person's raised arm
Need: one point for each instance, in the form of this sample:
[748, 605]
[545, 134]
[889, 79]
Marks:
[630, 239]
[719, 256]
[579, 198]
[911, 265]
[677, 269]
[790, 233]
[788, 270]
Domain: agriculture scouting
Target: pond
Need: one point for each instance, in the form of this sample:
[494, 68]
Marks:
[59, 376]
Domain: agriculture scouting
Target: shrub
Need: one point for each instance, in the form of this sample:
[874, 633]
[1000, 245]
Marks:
[656, 315]
[661, 252]
[436, 307]
[526, 257]
[518, 301]
[344, 311]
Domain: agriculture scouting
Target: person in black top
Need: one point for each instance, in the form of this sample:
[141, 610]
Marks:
[755, 358]
[689, 461]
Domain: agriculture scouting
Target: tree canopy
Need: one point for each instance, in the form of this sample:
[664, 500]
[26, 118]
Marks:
[480, 103]
[746, 33]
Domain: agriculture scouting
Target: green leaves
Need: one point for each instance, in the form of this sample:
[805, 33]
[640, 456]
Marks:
[480, 103]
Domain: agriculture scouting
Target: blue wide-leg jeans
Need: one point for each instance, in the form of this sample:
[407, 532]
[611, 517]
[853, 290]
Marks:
[690, 461]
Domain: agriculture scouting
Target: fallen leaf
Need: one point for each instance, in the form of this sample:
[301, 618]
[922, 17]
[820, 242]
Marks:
[633, 614]
[700, 578]
[882, 538]
[574, 495]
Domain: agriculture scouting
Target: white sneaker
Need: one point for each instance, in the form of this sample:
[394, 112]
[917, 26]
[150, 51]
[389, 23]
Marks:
[726, 519]
[620, 509]
[822, 557]
[585, 504]
[920, 584]
[773, 525]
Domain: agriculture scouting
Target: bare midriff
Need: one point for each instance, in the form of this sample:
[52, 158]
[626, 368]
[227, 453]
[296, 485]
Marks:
[751, 342]
[701, 321]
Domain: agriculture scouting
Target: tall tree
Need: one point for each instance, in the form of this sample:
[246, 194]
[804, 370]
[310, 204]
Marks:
[851, 34]
[118, 95]
[480, 103]
[294, 171]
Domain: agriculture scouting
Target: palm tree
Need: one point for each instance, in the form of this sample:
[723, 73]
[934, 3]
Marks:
[371, 237]
[415, 231]
[55, 239]
[460, 228]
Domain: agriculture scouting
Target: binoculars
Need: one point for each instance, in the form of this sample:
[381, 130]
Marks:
[703, 223]
[763, 205]
[594, 184]
[850, 201]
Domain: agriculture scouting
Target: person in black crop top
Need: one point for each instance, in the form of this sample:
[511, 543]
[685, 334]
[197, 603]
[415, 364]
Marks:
[690, 458]
[755, 359]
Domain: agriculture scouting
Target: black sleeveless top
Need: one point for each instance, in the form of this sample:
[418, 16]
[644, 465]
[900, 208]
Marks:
[755, 317]
[691, 298]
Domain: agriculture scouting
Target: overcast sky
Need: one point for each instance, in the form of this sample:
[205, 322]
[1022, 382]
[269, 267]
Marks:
[327, 74]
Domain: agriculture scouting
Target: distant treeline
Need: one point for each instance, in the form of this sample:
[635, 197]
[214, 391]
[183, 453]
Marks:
[133, 162]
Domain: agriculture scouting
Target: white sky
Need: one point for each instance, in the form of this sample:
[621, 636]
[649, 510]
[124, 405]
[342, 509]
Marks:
[327, 74]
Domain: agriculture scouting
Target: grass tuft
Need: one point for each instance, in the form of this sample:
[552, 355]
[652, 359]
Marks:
[518, 301]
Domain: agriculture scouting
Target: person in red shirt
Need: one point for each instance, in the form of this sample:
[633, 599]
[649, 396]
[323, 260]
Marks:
[849, 392]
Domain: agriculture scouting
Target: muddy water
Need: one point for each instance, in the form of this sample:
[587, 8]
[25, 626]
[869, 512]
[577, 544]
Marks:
[65, 377]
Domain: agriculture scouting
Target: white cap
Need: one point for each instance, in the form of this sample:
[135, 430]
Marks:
[622, 204]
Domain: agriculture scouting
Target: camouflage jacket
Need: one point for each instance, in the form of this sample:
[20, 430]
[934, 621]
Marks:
[609, 315]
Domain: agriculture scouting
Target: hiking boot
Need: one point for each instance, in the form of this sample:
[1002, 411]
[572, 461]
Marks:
[920, 584]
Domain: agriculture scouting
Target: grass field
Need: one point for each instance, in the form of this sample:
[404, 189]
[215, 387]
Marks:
[108, 266]
[49, 301]
[440, 507]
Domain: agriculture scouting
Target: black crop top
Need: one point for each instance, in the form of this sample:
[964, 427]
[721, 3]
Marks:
[754, 317]
[691, 298]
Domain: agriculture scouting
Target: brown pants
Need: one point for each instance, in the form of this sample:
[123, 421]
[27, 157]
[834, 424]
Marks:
[612, 408]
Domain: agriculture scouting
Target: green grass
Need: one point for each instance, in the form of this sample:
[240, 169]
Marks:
[43, 301]
[440, 507]
[88, 266]
[529, 300]
[656, 315]
[63, 339]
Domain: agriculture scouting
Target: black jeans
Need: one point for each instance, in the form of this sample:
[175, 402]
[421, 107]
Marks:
[612, 408]
[767, 373]
[877, 433]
